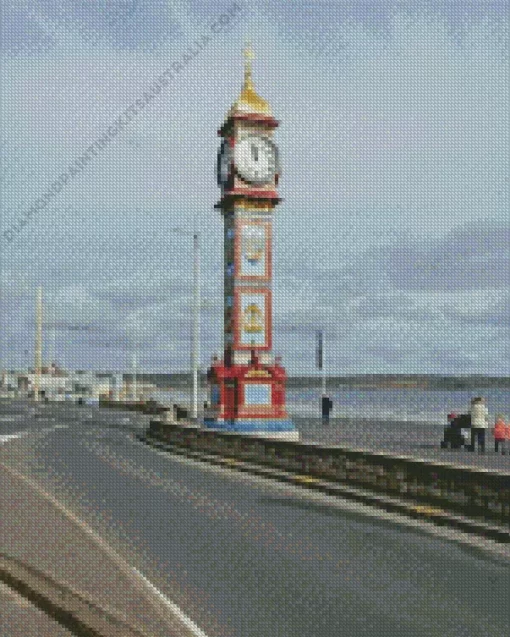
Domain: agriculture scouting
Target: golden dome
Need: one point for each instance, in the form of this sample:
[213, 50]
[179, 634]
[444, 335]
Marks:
[249, 101]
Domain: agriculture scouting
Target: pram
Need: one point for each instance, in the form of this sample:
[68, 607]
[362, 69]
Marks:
[454, 436]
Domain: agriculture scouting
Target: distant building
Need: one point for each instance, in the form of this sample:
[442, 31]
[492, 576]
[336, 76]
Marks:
[57, 384]
[9, 381]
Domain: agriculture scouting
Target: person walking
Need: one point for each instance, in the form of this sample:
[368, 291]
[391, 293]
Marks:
[453, 437]
[327, 406]
[507, 438]
[479, 423]
[499, 433]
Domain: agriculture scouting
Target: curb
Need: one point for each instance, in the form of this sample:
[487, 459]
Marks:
[418, 511]
[80, 616]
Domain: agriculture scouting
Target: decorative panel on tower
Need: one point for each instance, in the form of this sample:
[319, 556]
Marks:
[253, 250]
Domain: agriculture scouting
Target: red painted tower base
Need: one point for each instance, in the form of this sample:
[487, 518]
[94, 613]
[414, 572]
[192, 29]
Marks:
[249, 399]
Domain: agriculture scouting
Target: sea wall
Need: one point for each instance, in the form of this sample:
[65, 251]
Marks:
[466, 491]
[149, 407]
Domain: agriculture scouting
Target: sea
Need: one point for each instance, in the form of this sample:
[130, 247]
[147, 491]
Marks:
[408, 405]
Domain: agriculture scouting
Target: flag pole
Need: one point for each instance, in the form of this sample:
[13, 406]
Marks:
[323, 365]
[320, 359]
[323, 372]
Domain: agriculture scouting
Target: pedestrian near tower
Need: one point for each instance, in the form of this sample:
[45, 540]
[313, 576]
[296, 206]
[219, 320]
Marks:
[500, 432]
[479, 423]
[327, 406]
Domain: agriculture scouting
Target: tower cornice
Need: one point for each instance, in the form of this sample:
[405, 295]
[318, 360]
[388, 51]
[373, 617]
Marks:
[247, 197]
[258, 119]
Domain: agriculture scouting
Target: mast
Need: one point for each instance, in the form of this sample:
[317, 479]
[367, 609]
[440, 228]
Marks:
[134, 387]
[38, 343]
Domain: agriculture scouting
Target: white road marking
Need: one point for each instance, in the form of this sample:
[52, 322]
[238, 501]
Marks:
[15, 597]
[22, 434]
[187, 621]
[123, 565]
[7, 437]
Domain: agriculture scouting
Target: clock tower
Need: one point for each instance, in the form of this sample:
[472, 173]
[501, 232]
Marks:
[247, 387]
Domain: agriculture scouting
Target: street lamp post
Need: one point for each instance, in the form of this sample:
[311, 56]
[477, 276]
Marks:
[38, 343]
[195, 348]
[195, 331]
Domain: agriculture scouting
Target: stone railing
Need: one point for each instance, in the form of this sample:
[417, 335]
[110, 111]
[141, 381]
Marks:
[467, 491]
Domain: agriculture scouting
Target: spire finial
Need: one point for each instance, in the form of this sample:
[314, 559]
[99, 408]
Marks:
[248, 57]
[249, 101]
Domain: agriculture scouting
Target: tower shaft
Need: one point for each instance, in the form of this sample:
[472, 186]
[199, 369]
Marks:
[247, 282]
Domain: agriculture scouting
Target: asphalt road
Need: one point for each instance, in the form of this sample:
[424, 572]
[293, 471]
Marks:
[248, 557]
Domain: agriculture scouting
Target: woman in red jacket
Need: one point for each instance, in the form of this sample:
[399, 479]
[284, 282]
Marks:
[500, 434]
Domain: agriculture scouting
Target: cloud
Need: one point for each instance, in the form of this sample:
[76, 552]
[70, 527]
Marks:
[466, 258]
[410, 305]
[480, 308]
[394, 142]
[47, 25]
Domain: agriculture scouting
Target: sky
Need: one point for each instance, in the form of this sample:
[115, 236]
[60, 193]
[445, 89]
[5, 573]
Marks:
[393, 232]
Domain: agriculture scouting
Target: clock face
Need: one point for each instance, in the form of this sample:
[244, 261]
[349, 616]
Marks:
[224, 163]
[256, 158]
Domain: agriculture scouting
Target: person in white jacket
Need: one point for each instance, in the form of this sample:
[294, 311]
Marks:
[479, 423]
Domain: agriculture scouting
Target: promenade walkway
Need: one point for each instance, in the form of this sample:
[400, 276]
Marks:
[414, 439]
